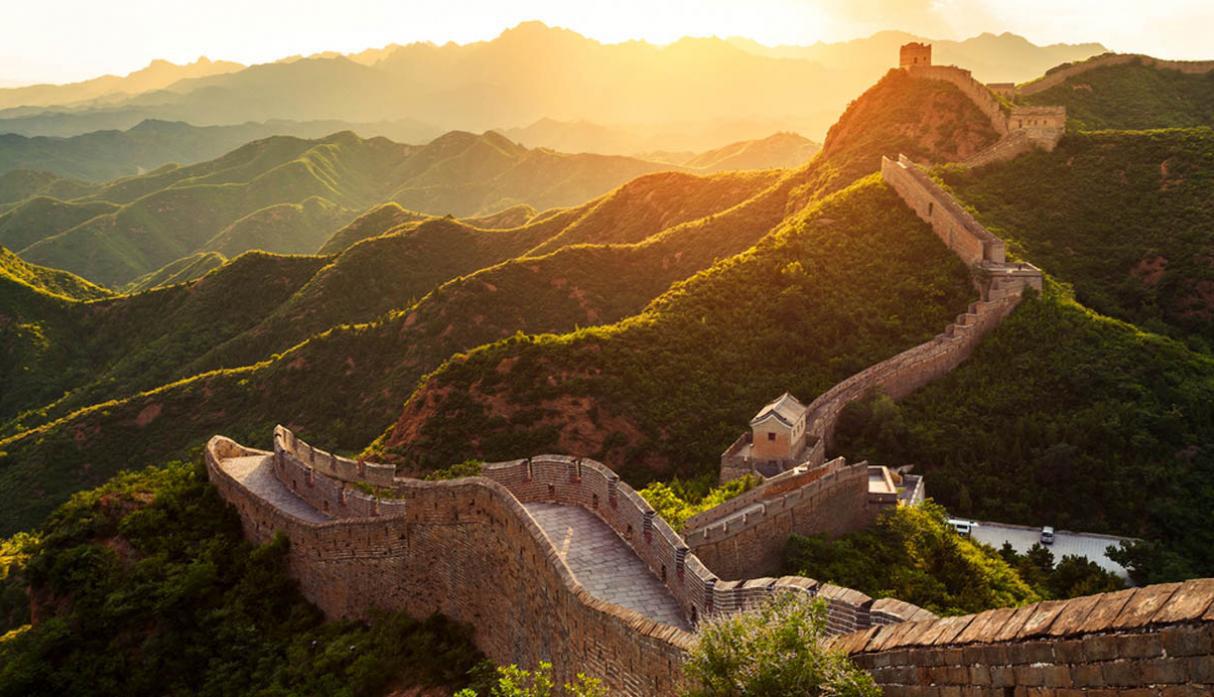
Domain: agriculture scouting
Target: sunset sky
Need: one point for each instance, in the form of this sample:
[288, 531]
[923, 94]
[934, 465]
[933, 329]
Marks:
[63, 40]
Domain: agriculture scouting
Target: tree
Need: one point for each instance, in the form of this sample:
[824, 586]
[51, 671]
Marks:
[774, 650]
[513, 681]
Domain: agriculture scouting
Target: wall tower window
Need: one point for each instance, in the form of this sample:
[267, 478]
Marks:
[771, 436]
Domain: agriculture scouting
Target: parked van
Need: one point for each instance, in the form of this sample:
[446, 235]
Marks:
[1047, 535]
[963, 527]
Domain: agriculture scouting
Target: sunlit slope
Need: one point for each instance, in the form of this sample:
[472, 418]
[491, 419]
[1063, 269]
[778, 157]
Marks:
[179, 219]
[779, 150]
[1133, 96]
[1065, 417]
[21, 184]
[38, 217]
[799, 312]
[370, 278]
[179, 271]
[370, 223]
[344, 386]
[1126, 217]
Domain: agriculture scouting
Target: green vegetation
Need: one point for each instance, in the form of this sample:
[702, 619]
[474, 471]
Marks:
[512, 681]
[798, 312]
[679, 500]
[1070, 577]
[146, 587]
[377, 221]
[467, 468]
[285, 228]
[1068, 418]
[183, 270]
[1124, 217]
[20, 277]
[913, 554]
[21, 184]
[1132, 96]
[775, 650]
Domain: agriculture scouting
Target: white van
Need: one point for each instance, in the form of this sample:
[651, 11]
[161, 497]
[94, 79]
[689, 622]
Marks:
[963, 527]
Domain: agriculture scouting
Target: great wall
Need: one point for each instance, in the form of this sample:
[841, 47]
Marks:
[554, 558]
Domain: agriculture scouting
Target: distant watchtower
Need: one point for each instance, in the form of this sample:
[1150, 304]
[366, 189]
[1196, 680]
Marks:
[913, 54]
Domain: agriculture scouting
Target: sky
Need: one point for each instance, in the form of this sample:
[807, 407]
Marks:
[65, 40]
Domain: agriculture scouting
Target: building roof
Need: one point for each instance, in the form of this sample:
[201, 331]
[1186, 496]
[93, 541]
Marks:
[785, 408]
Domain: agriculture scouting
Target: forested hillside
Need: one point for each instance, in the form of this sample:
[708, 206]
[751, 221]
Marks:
[1133, 96]
[1124, 216]
[345, 385]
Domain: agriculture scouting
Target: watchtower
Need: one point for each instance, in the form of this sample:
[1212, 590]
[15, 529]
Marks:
[914, 54]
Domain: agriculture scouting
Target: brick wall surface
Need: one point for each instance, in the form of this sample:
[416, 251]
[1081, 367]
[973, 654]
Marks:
[979, 94]
[1156, 641]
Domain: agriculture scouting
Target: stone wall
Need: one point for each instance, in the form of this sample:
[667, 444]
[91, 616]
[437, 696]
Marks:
[750, 542]
[469, 550]
[979, 94]
[1155, 641]
[425, 547]
[1061, 75]
[951, 223]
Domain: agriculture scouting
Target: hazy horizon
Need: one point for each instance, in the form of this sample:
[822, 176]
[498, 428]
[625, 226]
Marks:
[120, 39]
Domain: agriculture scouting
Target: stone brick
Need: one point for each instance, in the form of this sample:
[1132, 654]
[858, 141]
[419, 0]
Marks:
[1143, 606]
[1087, 675]
[1069, 651]
[1043, 616]
[1102, 615]
[1031, 652]
[1188, 603]
[1188, 640]
[1139, 646]
[1101, 648]
[1073, 614]
[1122, 673]
[1163, 671]
[1030, 675]
[1200, 669]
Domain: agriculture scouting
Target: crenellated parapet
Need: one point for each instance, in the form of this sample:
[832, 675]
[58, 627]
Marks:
[1153, 641]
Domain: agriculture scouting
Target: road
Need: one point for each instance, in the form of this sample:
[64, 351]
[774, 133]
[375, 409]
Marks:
[1081, 544]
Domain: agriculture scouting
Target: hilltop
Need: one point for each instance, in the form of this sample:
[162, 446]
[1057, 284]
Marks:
[157, 75]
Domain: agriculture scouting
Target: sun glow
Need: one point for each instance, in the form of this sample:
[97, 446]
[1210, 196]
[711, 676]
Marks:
[62, 40]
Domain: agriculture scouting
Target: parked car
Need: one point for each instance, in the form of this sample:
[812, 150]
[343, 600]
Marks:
[1047, 535]
[963, 527]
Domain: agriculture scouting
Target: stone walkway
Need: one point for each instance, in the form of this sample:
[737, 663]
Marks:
[256, 473]
[604, 563]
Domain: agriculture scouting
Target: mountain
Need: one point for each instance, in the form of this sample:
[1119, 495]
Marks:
[689, 138]
[18, 185]
[428, 292]
[157, 75]
[179, 271]
[104, 155]
[1133, 95]
[779, 150]
[1004, 57]
[289, 195]
[690, 85]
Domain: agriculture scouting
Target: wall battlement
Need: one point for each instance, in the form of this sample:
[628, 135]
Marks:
[1155, 641]
[979, 94]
